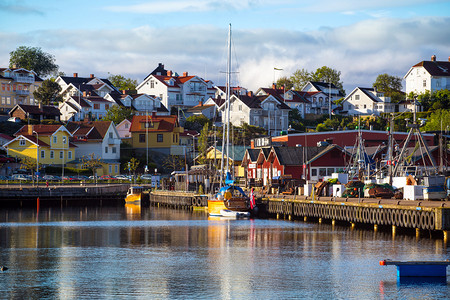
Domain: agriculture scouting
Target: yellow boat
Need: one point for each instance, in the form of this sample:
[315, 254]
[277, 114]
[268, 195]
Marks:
[134, 194]
[229, 198]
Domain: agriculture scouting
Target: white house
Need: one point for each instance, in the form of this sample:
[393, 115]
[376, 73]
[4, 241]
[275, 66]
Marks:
[140, 103]
[175, 90]
[76, 86]
[428, 75]
[89, 106]
[100, 138]
[367, 101]
[263, 111]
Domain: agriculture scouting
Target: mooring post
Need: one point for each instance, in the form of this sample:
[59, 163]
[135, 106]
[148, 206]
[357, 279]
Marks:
[289, 217]
[278, 216]
[375, 227]
[333, 222]
[320, 220]
[394, 228]
[445, 232]
[353, 225]
[305, 219]
[417, 233]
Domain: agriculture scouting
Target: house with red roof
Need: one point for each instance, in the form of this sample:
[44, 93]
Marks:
[155, 132]
[176, 90]
[428, 75]
[89, 106]
[99, 138]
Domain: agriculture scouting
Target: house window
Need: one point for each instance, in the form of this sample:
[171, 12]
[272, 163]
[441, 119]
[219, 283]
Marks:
[152, 84]
[110, 135]
[69, 155]
[114, 150]
[96, 106]
[42, 153]
[365, 106]
[159, 138]
[106, 149]
[314, 172]
[356, 97]
[55, 139]
[64, 139]
[61, 154]
[126, 125]
[52, 154]
[22, 142]
[141, 138]
[116, 169]
[424, 83]
[356, 106]
[240, 107]
[110, 169]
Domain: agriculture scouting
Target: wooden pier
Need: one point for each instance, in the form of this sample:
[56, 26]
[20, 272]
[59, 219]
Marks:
[418, 215]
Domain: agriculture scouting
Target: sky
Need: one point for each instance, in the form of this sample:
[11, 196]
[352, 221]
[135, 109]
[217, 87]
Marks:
[359, 38]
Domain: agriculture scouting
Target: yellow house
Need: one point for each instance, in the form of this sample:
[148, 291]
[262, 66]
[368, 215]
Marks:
[49, 143]
[154, 131]
[236, 154]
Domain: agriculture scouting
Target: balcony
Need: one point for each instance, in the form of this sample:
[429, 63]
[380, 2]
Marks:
[113, 141]
[22, 92]
[24, 79]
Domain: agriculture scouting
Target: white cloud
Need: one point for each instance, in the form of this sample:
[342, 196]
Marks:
[360, 51]
[160, 7]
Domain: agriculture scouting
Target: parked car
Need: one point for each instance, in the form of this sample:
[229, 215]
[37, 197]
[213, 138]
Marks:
[21, 177]
[4, 177]
[6, 159]
[50, 178]
[82, 177]
[14, 119]
[69, 178]
[106, 177]
[146, 177]
[121, 177]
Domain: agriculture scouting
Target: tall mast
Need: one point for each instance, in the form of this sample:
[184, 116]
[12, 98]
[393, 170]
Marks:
[228, 95]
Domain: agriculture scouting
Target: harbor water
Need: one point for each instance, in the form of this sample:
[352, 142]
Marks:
[159, 253]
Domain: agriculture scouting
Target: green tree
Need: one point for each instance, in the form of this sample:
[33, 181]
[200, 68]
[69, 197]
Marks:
[131, 166]
[122, 83]
[118, 113]
[390, 85]
[174, 162]
[196, 122]
[296, 120]
[284, 82]
[300, 78]
[438, 120]
[203, 144]
[441, 99]
[29, 164]
[33, 59]
[48, 92]
[91, 162]
[327, 75]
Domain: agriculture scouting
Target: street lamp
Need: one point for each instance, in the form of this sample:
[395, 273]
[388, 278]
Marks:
[193, 145]
[37, 158]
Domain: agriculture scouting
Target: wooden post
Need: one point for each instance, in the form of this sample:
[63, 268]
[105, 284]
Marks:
[394, 229]
[333, 222]
[417, 233]
[305, 219]
[320, 220]
[375, 227]
[353, 225]
[445, 232]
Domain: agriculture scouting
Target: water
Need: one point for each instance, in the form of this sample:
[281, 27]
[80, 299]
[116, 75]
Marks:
[156, 253]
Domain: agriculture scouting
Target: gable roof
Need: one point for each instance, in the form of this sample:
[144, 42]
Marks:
[44, 110]
[288, 156]
[42, 130]
[93, 130]
[435, 68]
[165, 123]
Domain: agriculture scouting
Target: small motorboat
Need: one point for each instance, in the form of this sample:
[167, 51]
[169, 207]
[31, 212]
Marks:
[134, 194]
[234, 214]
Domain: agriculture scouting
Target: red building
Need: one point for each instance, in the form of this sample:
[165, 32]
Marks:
[348, 138]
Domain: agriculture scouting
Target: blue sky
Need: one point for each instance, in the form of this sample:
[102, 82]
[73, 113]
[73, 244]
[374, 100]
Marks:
[357, 37]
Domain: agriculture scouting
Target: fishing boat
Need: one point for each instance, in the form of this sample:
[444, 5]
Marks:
[234, 214]
[230, 200]
[134, 194]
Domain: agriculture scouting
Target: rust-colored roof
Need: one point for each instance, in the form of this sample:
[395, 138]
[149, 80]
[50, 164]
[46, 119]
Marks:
[42, 130]
[165, 123]
[92, 130]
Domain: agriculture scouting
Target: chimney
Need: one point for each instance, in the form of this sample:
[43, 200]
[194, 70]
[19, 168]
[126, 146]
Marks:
[84, 94]
[124, 92]
[200, 103]
[92, 75]
[250, 93]
[185, 74]
[433, 58]
[40, 105]
[153, 114]
[75, 75]
[274, 86]
[30, 129]
[449, 58]
[169, 73]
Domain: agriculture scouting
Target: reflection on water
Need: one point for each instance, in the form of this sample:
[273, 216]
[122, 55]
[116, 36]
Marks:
[175, 254]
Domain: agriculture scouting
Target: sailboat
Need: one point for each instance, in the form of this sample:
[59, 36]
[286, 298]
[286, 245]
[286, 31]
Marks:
[231, 200]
